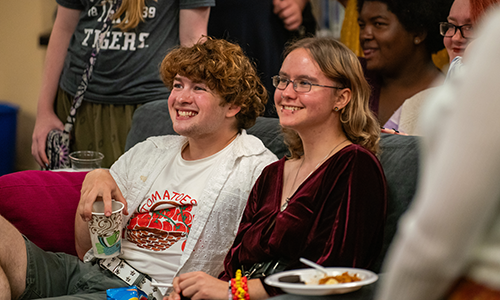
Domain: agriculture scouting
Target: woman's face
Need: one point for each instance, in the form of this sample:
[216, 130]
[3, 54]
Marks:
[459, 15]
[304, 110]
[386, 44]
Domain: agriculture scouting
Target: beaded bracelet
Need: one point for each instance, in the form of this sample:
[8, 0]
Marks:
[239, 287]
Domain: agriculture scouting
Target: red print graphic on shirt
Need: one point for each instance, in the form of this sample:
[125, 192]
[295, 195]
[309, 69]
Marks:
[165, 224]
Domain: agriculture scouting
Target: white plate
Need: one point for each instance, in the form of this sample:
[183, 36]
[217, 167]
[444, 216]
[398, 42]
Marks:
[311, 277]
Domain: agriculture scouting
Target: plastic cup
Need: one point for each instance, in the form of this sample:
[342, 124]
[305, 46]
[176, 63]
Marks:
[106, 232]
[86, 160]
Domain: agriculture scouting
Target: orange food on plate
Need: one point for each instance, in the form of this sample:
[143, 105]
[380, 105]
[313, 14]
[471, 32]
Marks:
[344, 278]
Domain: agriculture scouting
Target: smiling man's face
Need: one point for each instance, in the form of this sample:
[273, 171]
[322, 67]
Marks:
[195, 110]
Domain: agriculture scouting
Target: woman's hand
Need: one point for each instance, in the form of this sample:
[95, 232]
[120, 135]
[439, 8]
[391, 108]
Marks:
[392, 131]
[46, 119]
[198, 285]
[99, 185]
[176, 294]
[290, 12]
[43, 126]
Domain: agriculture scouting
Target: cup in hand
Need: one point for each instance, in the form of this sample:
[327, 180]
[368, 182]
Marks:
[106, 232]
[86, 160]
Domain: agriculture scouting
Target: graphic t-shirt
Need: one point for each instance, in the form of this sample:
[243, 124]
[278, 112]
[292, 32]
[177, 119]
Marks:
[127, 67]
[156, 234]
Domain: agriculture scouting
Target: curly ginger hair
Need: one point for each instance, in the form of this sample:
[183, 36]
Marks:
[225, 69]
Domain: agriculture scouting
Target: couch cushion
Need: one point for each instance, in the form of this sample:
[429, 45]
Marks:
[268, 130]
[153, 119]
[150, 119]
[42, 205]
[400, 158]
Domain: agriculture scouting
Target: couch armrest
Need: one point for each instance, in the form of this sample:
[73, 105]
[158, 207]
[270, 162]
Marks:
[42, 206]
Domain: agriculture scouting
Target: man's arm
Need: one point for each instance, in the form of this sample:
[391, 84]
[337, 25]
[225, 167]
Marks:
[193, 24]
[98, 185]
[82, 237]
[46, 119]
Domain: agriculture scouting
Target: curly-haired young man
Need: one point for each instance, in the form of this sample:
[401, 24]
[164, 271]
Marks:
[184, 195]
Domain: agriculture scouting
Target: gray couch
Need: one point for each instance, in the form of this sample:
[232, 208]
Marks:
[399, 157]
[153, 119]
[20, 192]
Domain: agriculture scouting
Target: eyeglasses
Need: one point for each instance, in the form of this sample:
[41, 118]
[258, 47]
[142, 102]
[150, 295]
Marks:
[299, 85]
[448, 30]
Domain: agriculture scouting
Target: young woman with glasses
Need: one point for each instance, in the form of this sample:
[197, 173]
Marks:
[458, 31]
[326, 201]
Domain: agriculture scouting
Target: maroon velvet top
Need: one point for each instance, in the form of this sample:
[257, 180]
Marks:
[335, 218]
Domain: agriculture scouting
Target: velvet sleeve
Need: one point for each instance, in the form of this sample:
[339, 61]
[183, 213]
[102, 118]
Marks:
[349, 228]
[336, 218]
[350, 217]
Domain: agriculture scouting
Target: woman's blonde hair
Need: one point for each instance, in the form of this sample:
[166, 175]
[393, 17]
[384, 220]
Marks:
[130, 13]
[341, 65]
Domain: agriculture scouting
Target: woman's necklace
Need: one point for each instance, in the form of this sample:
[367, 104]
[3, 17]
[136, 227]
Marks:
[285, 205]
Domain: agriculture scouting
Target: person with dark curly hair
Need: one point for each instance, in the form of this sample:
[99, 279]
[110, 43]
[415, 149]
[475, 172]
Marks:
[398, 38]
[184, 195]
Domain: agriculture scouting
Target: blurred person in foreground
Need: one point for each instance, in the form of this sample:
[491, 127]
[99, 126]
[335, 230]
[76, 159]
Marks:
[184, 195]
[448, 245]
[325, 202]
